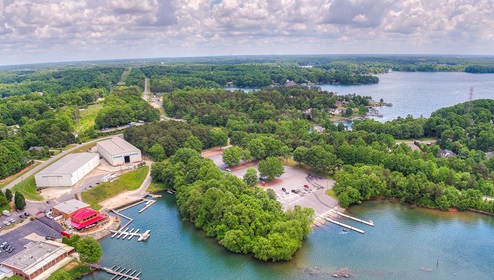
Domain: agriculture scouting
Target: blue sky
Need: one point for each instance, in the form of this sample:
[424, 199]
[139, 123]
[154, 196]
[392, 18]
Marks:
[65, 30]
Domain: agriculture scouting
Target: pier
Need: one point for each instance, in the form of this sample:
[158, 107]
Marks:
[130, 234]
[345, 225]
[369, 223]
[119, 273]
[148, 204]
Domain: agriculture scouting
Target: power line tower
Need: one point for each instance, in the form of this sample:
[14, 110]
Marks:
[469, 105]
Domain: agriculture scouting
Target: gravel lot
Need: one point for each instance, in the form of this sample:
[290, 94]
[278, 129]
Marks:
[293, 179]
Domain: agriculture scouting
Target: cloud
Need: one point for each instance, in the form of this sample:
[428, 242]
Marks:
[76, 29]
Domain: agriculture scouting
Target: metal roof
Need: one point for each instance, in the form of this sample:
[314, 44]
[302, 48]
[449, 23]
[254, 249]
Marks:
[70, 206]
[117, 146]
[68, 164]
[36, 255]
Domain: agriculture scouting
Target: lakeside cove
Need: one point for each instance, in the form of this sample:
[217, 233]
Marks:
[406, 243]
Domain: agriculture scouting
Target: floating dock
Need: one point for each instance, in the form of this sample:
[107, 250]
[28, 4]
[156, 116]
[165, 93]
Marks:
[369, 223]
[148, 204]
[119, 272]
[129, 234]
[345, 225]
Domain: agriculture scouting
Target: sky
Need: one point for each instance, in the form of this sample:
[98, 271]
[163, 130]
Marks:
[33, 31]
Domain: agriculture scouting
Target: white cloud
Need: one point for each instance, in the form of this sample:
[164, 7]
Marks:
[98, 29]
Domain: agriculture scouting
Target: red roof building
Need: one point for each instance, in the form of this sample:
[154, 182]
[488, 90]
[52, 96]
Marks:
[86, 217]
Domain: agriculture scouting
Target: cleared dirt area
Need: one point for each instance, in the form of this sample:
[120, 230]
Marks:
[293, 179]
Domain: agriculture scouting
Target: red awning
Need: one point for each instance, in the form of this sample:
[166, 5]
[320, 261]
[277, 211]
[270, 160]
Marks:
[88, 222]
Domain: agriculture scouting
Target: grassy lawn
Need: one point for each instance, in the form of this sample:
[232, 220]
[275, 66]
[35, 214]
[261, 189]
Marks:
[28, 188]
[127, 182]
[83, 148]
[156, 187]
[75, 269]
[87, 117]
[7, 181]
[331, 193]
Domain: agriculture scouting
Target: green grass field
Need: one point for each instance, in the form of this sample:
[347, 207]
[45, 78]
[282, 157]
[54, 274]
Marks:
[331, 193]
[87, 117]
[28, 188]
[127, 182]
[156, 187]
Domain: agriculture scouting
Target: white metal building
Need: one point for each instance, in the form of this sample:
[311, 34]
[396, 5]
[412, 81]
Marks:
[67, 171]
[117, 151]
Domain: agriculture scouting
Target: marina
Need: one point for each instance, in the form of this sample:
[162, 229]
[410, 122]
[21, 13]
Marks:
[124, 231]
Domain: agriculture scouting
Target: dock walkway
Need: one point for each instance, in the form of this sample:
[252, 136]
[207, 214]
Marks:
[119, 272]
[345, 225]
[369, 223]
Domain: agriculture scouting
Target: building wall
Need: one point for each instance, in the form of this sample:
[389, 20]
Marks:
[66, 180]
[59, 180]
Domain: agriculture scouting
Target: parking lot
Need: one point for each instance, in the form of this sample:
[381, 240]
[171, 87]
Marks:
[16, 238]
[293, 179]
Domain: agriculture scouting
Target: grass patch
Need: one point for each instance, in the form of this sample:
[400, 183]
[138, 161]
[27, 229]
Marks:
[331, 193]
[74, 268]
[156, 187]
[87, 117]
[127, 182]
[84, 148]
[7, 181]
[28, 188]
[125, 75]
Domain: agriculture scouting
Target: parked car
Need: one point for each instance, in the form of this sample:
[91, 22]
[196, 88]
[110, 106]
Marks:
[49, 238]
[6, 223]
[11, 250]
[228, 169]
[27, 214]
[306, 186]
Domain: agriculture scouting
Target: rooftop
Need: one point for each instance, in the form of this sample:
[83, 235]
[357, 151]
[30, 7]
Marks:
[70, 206]
[68, 164]
[117, 146]
[36, 255]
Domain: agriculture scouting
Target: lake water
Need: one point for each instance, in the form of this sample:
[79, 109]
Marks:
[405, 244]
[419, 93]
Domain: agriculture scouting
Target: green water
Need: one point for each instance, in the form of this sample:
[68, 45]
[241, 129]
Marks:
[405, 244]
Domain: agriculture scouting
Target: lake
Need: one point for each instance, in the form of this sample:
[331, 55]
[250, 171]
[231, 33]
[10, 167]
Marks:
[405, 244]
[419, 93]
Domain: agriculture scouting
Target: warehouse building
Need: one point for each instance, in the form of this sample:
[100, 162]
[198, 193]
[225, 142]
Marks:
[67, 171]
[117, 151]
[36, 258]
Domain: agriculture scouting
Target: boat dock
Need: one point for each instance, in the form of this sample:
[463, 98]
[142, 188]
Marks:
[148, 204]
[369, 223]
[345, 225]
[130, 234]
[119, 273]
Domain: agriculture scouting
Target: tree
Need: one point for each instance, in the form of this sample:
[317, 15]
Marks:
[89, 250]
[20, 201]
[271, 167]
[157, 152]
[219, 137]
[193, 143]
[231, 156]
[3, 200]
[250, 177]
[257, 148]
[8, 195]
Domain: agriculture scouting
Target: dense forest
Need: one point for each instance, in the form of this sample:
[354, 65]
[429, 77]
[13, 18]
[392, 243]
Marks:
[219, 106]
[125, 105]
